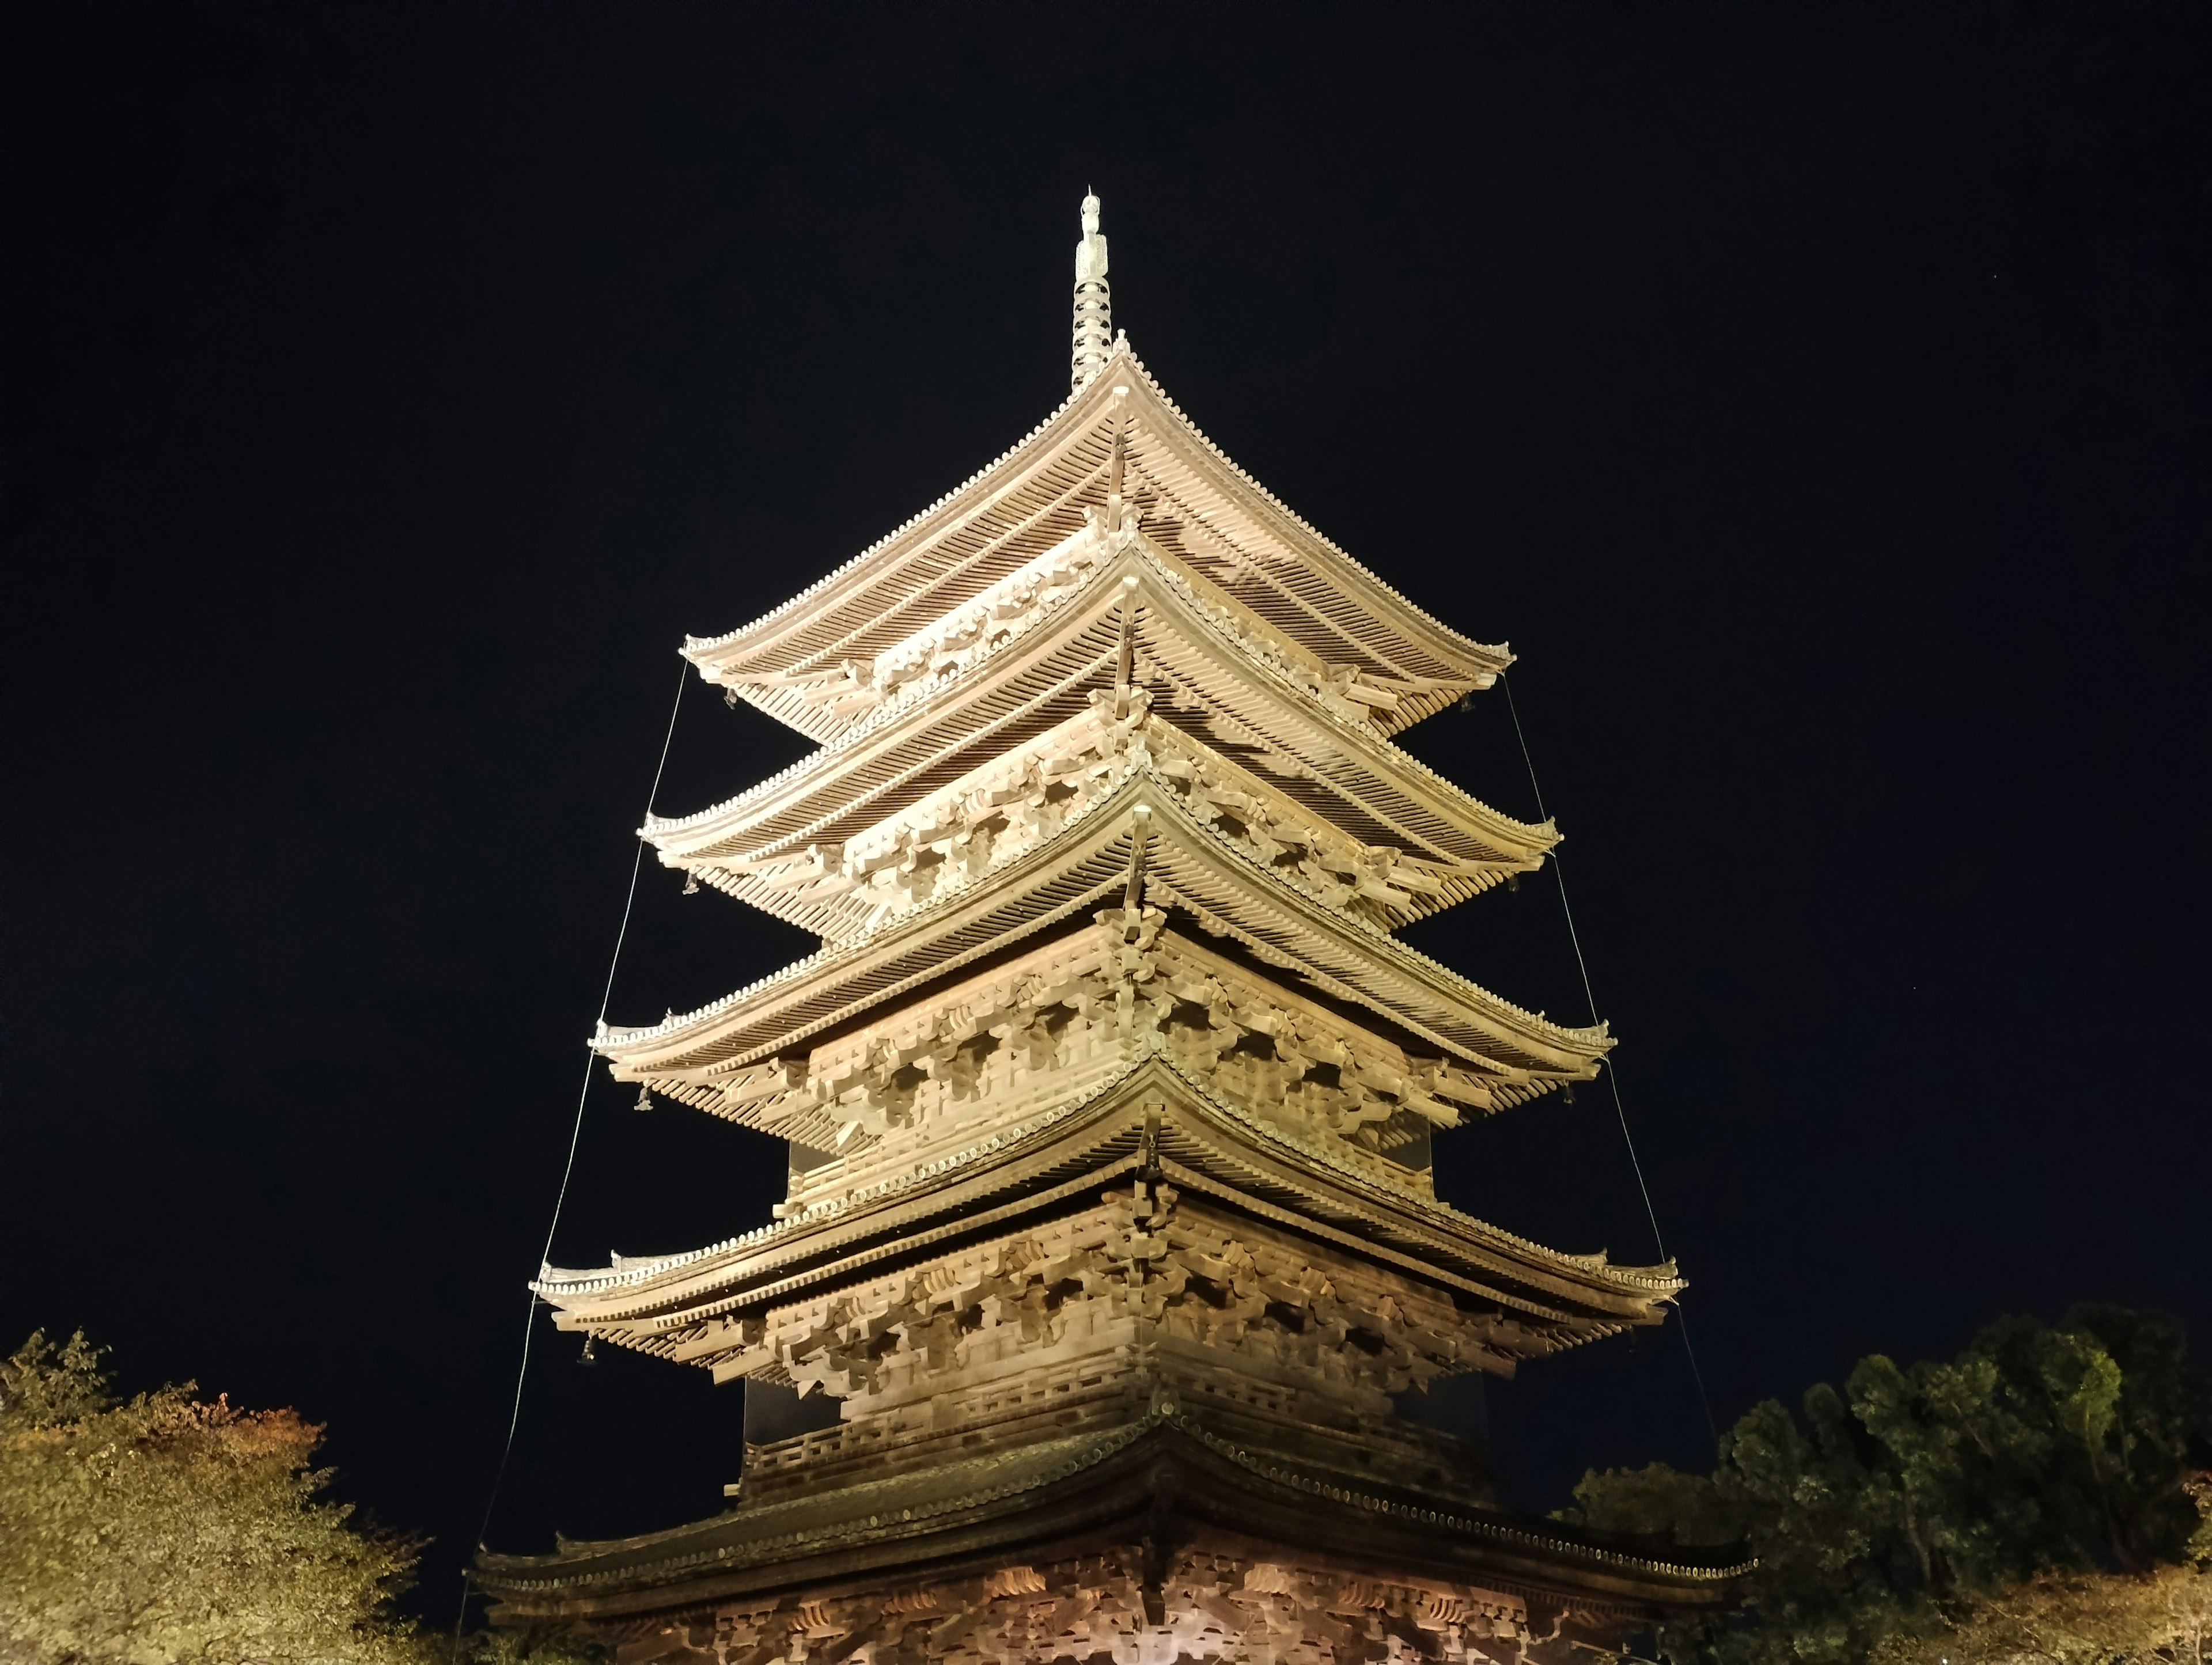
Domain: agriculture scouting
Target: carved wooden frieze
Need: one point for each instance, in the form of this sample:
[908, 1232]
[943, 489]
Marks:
[1141, 1268]
[1056, 1023]
[1198, 1605]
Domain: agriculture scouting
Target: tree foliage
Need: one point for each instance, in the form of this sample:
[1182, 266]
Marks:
[167, 1528]
[2044, 1467]
[2162, 1617]
[532, 1648]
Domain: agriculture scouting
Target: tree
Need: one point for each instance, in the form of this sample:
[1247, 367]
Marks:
[167, 1528]
[530, 1648]
[2162, 1614]
[2041, 1475]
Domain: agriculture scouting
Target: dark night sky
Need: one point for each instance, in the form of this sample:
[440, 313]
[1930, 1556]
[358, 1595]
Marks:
[1818, 399]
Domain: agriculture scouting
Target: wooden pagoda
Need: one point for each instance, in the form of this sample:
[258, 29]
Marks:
[1110, 1250]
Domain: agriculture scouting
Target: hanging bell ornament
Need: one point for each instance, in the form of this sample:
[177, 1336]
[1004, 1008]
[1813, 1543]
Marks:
[691, 884]
[645, 1098]
[589, 1358]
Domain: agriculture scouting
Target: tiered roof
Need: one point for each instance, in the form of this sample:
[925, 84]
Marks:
[1109, 669]
[1225, 891]
[1110, 1083]
[1544, 1301]
[1270, 722]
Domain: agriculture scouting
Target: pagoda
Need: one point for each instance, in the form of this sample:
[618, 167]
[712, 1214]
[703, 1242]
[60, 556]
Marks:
[1111, 1254]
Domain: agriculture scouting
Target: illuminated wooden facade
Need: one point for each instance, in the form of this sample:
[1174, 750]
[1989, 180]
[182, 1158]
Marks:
[1109, 1095]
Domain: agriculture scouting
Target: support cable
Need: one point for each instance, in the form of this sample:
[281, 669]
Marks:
[569, 1169]
[1613, 1071]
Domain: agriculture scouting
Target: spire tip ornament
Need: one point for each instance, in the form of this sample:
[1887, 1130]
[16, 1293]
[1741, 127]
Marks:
[1094, 302]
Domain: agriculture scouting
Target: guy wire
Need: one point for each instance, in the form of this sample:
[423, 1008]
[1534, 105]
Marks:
[569, 1169]
[1612, 1070]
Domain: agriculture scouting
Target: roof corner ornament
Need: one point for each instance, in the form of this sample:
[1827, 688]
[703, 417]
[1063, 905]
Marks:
[1094, 301]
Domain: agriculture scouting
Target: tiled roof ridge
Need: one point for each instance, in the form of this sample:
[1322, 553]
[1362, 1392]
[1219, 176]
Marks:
[1596, 1264]
[1102, 1445]
[1487, 649]
[1166, 1410]
[693, 645]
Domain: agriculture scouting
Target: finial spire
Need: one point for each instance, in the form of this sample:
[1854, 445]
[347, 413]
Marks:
[1094, 301]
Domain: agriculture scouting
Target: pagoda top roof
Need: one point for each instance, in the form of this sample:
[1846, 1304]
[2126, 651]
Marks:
[1119, 429]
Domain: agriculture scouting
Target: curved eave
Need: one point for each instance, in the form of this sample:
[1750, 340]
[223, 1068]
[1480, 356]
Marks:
[781, 881]
[902, 754]
[1316, 570]
[1085, 863]
[782, 1099]
[1165, 1468]
[1312, 589]
[766, 643]
[1207, 1145]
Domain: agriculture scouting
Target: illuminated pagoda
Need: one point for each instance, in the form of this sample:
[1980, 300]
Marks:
[1111, 1252]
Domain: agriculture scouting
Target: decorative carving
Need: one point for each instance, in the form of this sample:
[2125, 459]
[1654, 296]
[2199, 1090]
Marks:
[1137, 1270]
[1377, 883]
[1040, 1029]
[1116, 1610]
[1350, 693]
[1008, 608]
[960, 835]
[956, 837]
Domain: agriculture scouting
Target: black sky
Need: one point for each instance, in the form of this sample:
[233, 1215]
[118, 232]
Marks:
[1818, 399]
